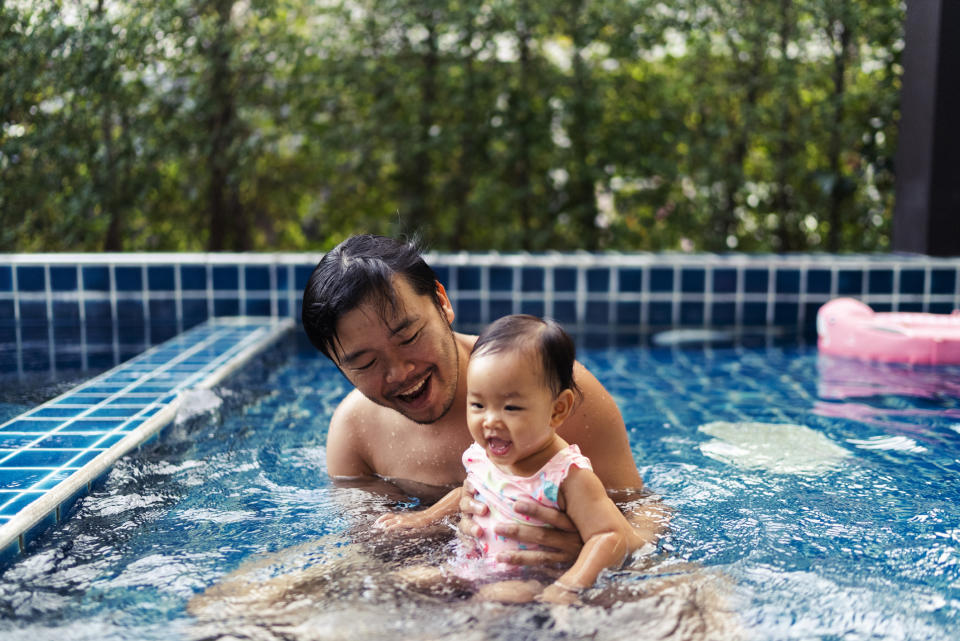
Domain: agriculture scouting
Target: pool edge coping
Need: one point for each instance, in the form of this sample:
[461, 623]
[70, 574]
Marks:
[49, 504]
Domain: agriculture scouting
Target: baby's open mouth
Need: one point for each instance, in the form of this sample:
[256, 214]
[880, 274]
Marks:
[498, 446]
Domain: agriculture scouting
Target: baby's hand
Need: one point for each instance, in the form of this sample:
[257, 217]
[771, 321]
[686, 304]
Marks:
[401, 521]
[553, 593]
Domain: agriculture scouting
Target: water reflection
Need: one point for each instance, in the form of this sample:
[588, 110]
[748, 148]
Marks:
[344, 586]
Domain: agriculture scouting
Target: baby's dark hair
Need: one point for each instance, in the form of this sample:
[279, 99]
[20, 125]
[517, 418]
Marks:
[543, 336]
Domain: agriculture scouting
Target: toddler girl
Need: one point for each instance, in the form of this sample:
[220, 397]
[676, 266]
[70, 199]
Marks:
[520, 389]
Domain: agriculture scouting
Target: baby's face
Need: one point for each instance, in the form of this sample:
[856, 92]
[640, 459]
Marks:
[510, 409]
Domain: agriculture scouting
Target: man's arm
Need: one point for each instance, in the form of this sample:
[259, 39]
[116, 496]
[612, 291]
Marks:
[597, 426]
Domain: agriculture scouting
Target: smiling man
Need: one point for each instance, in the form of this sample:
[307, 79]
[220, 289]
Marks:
[376, 309]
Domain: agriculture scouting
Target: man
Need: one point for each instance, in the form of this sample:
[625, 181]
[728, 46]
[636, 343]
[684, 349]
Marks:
[375, 308]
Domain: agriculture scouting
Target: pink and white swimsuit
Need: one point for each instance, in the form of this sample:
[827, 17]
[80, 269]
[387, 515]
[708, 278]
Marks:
[499, 491]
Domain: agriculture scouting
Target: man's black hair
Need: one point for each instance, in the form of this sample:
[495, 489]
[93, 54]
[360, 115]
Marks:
[544, 336]
[358, 270]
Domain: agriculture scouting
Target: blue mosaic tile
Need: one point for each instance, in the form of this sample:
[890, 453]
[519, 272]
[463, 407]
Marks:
[880, 281]
[598, 280]
[283, 277]
[849, 282]
[691, 313]
[628, 313]
[943, 281]
[128, 279]
[163, 311]
[756, 281]
[193, 278]
[565, 311]
[723, 314]
[130, 311]
[226, 307]
[468, 278]
[819, 281]
[66, 313]
[724, 281]
[597, 313]
[160, 332]
[533, 307]
[499, 308]
[660, 314]
[631, 280]
[532, 279]
[257, 277]
[882, 307]
[564, 279]
[160, 278]
[785, 313]
[227, 278]
[63, 279]
[468, 310]
[96, 278]
[788, 281]
[257, 307]
[66, 336]
[912, 281]
[693, 281]
[940, 308]
[33, 312]
[910, 307]
[501, 279]
[31, 279]
[6, 278]
[661, 280]
[754, 314]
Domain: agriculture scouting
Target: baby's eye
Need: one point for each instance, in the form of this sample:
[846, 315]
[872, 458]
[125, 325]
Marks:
[476, 406]
[513, 408]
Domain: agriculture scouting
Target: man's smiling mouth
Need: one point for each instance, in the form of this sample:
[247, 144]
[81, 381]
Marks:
[415, 391]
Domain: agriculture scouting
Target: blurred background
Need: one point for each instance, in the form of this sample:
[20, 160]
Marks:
[256, 125]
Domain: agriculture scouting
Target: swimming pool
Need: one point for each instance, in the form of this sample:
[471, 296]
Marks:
[814, 499]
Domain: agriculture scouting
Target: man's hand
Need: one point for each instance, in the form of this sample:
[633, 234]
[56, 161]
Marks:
[562, 541]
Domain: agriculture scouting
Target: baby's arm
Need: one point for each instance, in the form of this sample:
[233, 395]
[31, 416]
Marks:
[447, 506]
[608, 536]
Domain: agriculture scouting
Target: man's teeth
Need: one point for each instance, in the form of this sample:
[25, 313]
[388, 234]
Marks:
[413, 390]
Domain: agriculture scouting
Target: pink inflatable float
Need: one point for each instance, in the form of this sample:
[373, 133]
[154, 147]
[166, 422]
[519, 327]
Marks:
[847, 327]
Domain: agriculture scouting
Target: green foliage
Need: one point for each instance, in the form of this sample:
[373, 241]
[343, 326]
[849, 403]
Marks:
[192, 125]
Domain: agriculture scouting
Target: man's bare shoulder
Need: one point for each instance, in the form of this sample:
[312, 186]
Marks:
[358, 414]
[353, 428]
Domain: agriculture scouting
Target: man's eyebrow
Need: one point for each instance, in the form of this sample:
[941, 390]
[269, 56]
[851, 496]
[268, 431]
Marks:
[352, 356]
[401, 325]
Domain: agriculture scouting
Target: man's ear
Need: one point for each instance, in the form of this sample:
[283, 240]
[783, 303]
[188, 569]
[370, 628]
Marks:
[444, 303]
[562, 406]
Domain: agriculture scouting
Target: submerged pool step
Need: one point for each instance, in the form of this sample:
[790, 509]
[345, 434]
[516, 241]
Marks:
[51, 455]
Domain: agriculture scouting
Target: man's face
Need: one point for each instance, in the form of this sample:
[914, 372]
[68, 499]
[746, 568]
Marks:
[404, 358]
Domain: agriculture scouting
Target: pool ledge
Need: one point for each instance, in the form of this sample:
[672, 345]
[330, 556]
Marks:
[107, 417]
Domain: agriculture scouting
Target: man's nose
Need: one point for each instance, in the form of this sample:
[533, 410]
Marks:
[398, 369]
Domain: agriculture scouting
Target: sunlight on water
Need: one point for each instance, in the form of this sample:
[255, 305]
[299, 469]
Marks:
[809, 502]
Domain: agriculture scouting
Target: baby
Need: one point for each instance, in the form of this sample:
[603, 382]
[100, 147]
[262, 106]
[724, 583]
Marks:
[520, 389]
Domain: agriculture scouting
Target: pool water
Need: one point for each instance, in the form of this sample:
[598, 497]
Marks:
[813, 499]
